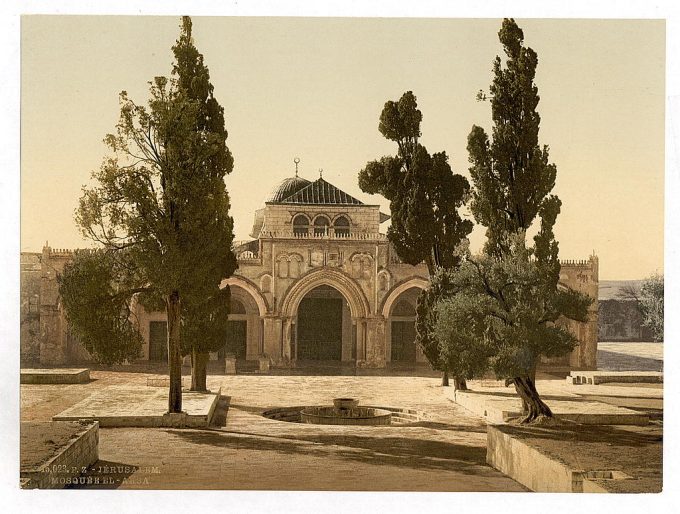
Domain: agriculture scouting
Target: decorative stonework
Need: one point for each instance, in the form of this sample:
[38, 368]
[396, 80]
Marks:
[279, 268]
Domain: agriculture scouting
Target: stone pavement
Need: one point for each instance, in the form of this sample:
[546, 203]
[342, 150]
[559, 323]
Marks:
[630, 356]
[446, 452]
[135, 405]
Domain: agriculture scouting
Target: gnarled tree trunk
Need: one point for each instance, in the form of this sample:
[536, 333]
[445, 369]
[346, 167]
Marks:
[535, 409]
[445, 378]
[459, 384]
[173, 309]
[199, 365]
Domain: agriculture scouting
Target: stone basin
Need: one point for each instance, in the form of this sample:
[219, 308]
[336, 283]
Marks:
[352, 416]
[345, 403]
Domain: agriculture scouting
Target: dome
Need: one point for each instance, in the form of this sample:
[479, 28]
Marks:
[287, 188]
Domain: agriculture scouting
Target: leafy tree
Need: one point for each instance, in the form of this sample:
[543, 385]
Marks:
[651, 305]
[205, 324]
[458, 323]
[161, 202]
[512, 180]
[503, 315]
[423, 191]
[97, 292]
[424, 196]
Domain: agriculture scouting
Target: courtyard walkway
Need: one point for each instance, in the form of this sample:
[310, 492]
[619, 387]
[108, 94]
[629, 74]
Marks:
[643, 356]
[245, 450]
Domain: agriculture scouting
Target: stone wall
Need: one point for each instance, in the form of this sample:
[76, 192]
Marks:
[29, 310]
[583, 276]
[365, 270]
[364, 219]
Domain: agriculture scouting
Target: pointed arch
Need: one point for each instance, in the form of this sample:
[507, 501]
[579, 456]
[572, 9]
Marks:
[356, 299]
[404, 285]
[250, 288]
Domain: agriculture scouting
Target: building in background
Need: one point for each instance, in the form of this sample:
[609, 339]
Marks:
[619, 316]
[318, 282]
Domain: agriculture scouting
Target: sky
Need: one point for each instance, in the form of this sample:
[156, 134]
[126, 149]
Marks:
[313, 88]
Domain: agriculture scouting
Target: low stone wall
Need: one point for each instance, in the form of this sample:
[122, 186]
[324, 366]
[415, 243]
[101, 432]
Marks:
[529, 466]
[603, 377]
[66, 466]
[121, 406]
[54, 376]
[532, 467]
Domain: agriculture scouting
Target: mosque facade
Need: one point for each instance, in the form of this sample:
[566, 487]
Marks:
[317, 283]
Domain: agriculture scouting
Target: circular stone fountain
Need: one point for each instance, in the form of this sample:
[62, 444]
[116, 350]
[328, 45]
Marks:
[345, 411]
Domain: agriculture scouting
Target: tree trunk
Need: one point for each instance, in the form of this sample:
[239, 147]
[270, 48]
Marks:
[459, 384]
[445, 378]
[535, 410]
[172, 305]
[199, 366]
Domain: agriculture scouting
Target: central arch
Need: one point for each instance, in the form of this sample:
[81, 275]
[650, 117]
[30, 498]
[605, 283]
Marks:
[355, 310]
[356, 299]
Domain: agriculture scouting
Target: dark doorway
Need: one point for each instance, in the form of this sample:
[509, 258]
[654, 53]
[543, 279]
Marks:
[236, 339]
[319, 328]
[403, 341]
[158, 341]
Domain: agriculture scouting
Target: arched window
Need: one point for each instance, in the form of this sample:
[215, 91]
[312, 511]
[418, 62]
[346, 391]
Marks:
[321, 224]
[341, 227]
[236, 307]
[403, 308]
[300, 225]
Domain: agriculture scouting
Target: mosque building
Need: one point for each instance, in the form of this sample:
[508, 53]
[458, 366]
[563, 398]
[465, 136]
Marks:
[317, 283]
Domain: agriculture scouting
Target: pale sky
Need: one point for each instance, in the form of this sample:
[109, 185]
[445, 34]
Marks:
[314, 88]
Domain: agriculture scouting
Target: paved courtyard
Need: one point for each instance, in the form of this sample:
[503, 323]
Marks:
[630, 356]
[245, 450]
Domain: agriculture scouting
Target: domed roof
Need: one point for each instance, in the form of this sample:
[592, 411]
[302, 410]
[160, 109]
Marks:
[286, 188]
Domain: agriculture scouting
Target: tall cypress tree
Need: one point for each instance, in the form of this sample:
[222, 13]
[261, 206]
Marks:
[425, 196]
[512, 180]
[159, 205]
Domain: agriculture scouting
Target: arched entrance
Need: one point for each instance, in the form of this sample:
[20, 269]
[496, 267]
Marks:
[323, 326]
[399, 310]
[335, 287]
[245, 335]
[237, 331]
[403, 327]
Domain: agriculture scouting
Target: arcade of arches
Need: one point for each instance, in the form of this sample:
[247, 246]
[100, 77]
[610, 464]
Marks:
[318, 281]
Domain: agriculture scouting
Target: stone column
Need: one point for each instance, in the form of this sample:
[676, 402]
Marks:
[371, 342]
[375, 343]
[273, 327]
[52, 326]
[287, 339]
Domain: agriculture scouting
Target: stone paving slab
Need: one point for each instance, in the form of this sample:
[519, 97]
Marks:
[630, 356]
[502, 407]
[244, 450]
[54, 375]
[135, 406]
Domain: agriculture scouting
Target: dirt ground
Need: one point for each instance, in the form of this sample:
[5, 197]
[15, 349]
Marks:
[40, 441]
[634, 450]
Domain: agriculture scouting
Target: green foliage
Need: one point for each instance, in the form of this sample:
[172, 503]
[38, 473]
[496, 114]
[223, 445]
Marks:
[651, 305]
[512, 175]
[423, 191]
[462, 352]
[426, 320]
[504, 312]
[95, 290]
[160, 197]
[205, 322]
[504, 304]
